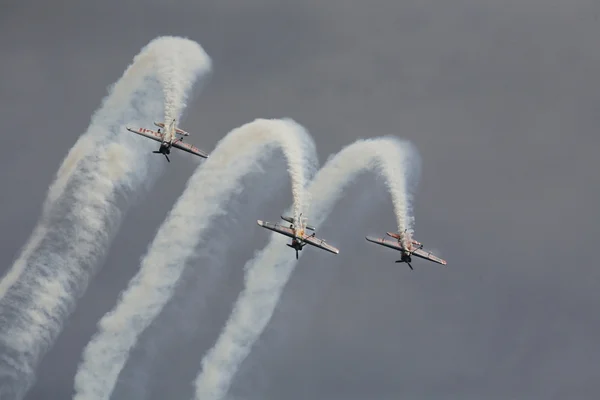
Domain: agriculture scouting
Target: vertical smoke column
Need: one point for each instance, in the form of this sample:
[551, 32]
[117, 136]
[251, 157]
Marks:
[180, 236]
[102, 175]
[269, 271]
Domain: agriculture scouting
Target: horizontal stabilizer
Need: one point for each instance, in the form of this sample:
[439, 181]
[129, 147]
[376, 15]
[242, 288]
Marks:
[291, 221]
[177, 130]
[394, 235]
[288, 219]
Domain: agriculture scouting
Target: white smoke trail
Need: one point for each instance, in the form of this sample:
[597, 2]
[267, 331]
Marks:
[99, 179]
[182, 322]
[239, 153]
[175, 86]
[120, 107]
[118, 98]
[269, 271]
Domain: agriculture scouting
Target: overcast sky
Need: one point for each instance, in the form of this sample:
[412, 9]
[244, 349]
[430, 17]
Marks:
[502, 100]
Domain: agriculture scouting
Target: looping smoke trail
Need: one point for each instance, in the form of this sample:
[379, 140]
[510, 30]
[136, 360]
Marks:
[239, 153]
[269, 271]
[119, 97]
[99, 179]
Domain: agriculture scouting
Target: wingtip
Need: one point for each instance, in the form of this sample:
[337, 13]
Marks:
[259, 222]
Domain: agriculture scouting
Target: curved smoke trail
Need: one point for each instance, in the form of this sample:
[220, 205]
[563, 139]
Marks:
[101, 176]
[183, 320]
[269, 271]
[185, 228]
[118, 99]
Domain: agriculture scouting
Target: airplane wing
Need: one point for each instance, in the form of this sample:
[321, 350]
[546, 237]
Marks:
[284, 230]
[190, 149]
[289, 232]
[392, 244]
[149, 133]
[320, 243]
[428, 256]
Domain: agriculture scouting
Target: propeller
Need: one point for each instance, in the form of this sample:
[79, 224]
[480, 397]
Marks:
[401, 261]
[160, 152]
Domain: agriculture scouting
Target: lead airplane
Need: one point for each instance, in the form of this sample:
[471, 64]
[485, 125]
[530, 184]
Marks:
[297, 231]
[169, 139]
[414, 248]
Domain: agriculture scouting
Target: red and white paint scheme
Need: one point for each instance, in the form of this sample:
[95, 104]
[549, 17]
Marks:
[168, 138]
[297, 231]
[414, 248]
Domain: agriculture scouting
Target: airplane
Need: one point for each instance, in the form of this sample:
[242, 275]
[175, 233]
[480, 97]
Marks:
[298, 234]
[169, 139]
[415, 248]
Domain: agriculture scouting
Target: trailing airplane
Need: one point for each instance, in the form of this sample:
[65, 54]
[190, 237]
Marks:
[297, 231]
[169, 139]
[414, 248]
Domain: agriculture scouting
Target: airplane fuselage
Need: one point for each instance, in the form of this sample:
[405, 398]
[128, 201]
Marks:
[168, 139]
[166, 144]
[405, 257]
[297, 242]
[165, 148]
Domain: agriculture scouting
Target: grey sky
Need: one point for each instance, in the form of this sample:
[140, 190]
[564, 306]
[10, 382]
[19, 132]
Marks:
[501, 99]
